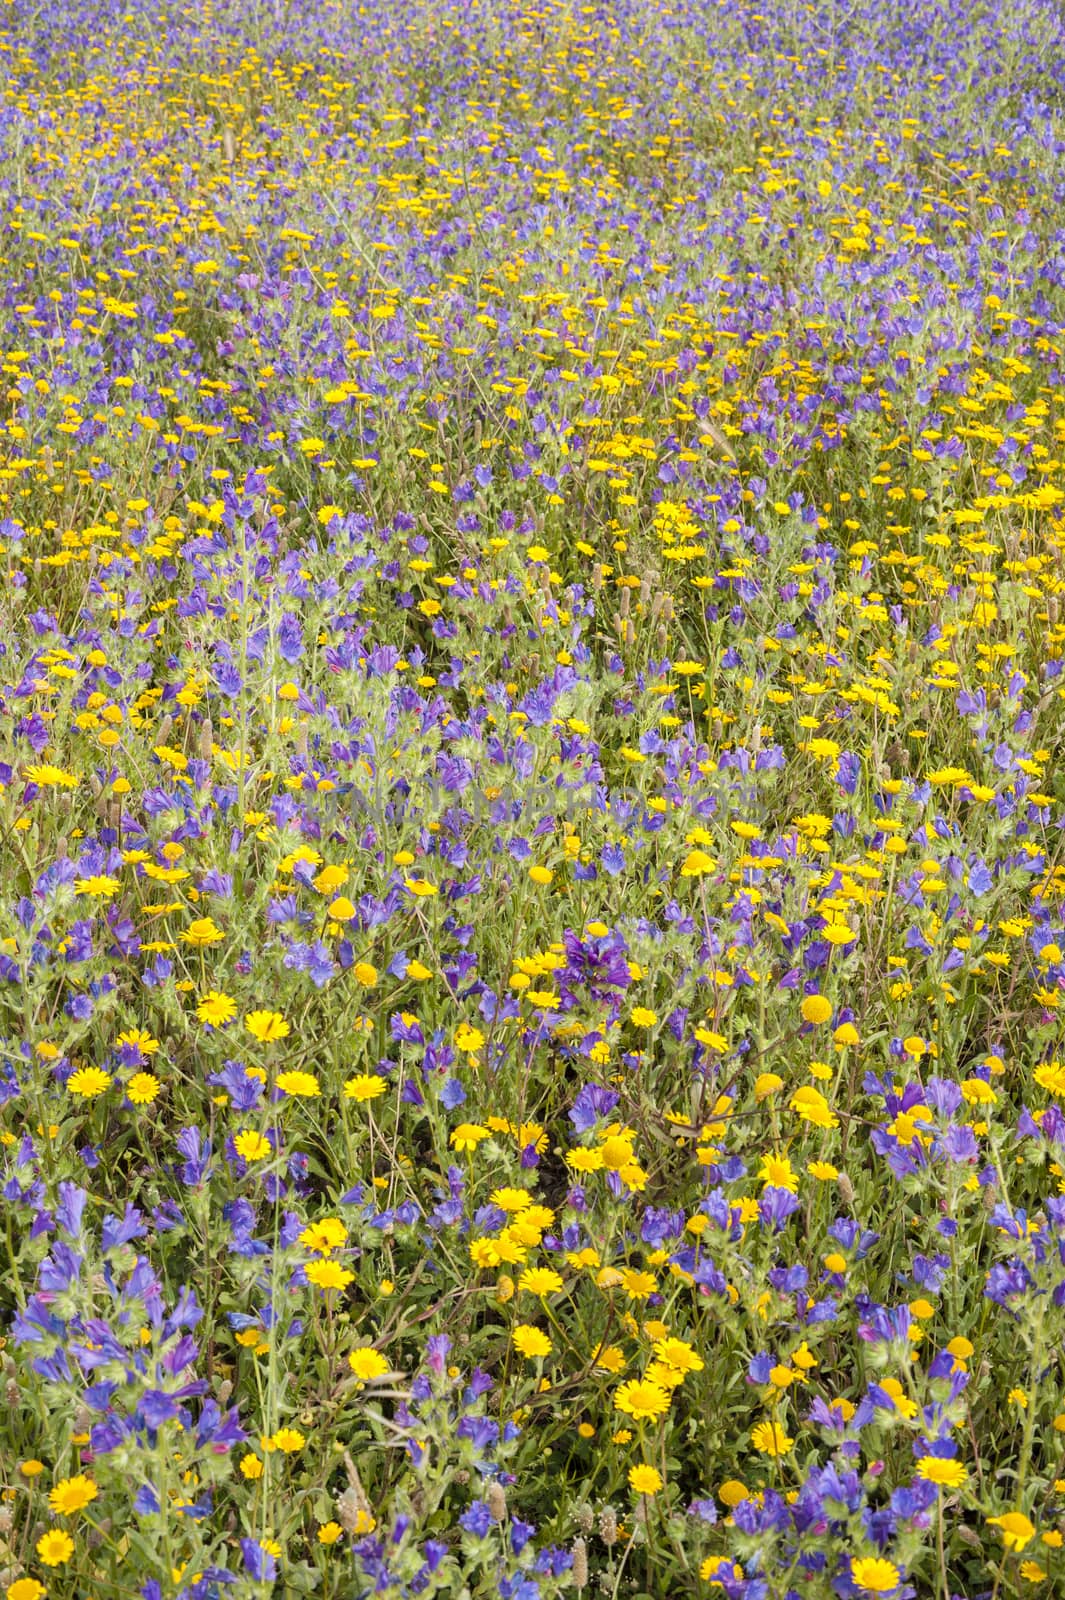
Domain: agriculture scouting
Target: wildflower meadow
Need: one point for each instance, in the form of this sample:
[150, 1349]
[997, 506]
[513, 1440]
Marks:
[532, 813]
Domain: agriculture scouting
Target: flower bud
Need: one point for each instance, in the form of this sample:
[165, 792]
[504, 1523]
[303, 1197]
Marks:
[349, 1511]
[497, 1502]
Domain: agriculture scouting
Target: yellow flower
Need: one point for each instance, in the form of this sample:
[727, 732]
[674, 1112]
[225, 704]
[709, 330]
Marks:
[88, 1082]
[541, 875]
[103, 888]
[696, 864]
[531, 1342]
[642, 1017]
[330, 879]
[252, 1146]
[644, 1479]
[617, 1152]
[816, 1009]
[718, 1570]
[49, 777]
[55, 1547]
[330, 1532]
[328, 1275]
[875, 1575]
[810, 1104]
[1015, 1528]
[468, 1135]
[31, 1468]
[778, 1171]
[202, 932]
[365, 1086]
[367, 1363]
[139, 1040]
[298, 1084]
[608, 1358]
[1051, 1077]
[25, 1589]
[767, 1083]
[582, 1160]
[771, 1440]
[643, 1401]
[936, 1469]
[421, 888]
[342, 909]
[364, 972]
[324, 1236]
[71, 1495]
[732, 1493]
[216, 1008]
[542, 998]
[142, 1088]
[468, 1038]
[899, 1398]
[678, 1355]
[287, 1440]
[540, 1281]
[251, 1467]
[266, 1026]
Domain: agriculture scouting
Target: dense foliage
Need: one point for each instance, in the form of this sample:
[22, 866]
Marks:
[532, 942]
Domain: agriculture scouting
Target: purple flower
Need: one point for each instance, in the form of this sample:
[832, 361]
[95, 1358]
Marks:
[477, 1519]
[437, 1350]
[290, 638]
[592, 1103]
[958, 1144]
[259, 1562]
[776, 1206]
